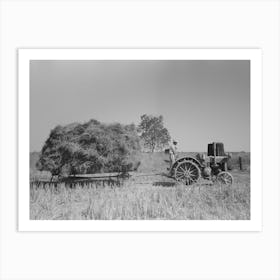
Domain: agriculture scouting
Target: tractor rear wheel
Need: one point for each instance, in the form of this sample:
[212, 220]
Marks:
[187, 172]
[225, 178]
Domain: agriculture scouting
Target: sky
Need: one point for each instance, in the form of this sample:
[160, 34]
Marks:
[201, 101]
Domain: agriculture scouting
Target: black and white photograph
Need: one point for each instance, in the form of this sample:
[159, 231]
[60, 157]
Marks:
[140, 140]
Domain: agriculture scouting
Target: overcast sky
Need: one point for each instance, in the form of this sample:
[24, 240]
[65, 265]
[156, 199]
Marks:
[201, 101]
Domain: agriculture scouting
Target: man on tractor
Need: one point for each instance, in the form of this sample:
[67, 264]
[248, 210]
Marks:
[172, 152]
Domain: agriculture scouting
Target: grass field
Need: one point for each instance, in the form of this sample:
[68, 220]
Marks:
[153, 196]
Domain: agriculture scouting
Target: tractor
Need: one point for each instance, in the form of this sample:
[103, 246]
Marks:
[212, 167]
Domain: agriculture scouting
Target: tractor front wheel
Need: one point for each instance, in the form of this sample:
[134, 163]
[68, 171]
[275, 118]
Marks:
[225, 178]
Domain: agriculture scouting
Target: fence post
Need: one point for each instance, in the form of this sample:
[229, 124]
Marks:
[240, 163]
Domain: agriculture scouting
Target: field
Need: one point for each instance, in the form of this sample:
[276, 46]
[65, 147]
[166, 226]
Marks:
[148, 194]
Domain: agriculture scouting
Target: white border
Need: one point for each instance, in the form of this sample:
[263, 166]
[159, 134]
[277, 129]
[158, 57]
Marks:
[254, 55]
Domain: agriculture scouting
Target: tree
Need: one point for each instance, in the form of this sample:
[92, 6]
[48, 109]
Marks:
[153, 133]
[91, 147]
